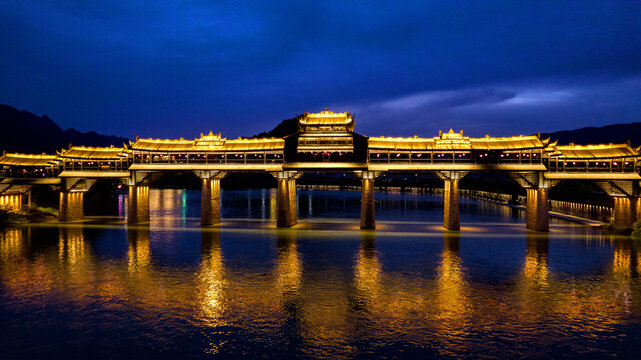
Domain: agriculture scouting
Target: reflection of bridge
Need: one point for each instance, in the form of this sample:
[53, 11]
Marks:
[445, 299]
[326, 142]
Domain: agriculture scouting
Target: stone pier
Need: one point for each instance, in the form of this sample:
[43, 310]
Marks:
[368, 219]
[286, 210]
[626, 211]
[210, 198]
[627, 201]
[537, 209]
[12, 202]
[71, 206]
[451, 211]
[138, 204]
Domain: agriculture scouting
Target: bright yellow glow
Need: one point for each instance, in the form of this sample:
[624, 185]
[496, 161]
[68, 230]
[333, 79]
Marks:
[89, 152]
[288, 266]
[456, 141]
[29, 159]
[208, 142]
[326, 117]
[536, 269]
[367, 271]
[211, 282]
[595, 151]
[11, 202]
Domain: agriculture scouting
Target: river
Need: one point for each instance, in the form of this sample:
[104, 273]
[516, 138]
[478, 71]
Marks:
[323, 289]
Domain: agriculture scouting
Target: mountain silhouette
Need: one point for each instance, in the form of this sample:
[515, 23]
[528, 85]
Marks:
[284, 128]
[22, 131]
[616, 134]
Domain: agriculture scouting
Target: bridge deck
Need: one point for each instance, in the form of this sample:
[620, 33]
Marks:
[31, 181]
[456, 167]
[94, 174]
[591, 176]
[191, 167]
[325, 166]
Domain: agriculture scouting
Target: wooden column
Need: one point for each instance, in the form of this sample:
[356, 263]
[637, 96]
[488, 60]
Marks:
[451, 214]
[537, 209]
[138, 204]
[71, 206]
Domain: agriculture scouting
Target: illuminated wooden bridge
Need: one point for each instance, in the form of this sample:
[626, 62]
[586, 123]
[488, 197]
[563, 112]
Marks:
[326, 142]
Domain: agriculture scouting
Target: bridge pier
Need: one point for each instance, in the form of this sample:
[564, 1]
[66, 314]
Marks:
[626, 210]
[210, 197]
[537, 209]
[72, 195]
[451, 214]
[627, 202]
[12, 202]
[71, 206]
[451, 207]
[138, 204]
[368, 218]
[286, 211]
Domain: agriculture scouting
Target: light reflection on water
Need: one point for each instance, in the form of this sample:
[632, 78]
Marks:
[322, 289]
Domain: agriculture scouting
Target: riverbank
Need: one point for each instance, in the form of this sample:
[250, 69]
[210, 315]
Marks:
[34, 215]
[553, 214]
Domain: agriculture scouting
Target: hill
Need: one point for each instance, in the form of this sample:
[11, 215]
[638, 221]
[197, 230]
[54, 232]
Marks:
[284, 128]
[617, 134]
[25, 132]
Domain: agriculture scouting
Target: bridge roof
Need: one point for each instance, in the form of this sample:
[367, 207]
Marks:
[161, 145]
[254, 144]
[16, 159]
[509, 143]
[456, 141]
[326, 117]
[391, 143]
[210, 142]
[98, 153]
[595, 151]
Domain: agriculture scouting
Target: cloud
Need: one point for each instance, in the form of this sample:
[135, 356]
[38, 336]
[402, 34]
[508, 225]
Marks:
[452, 99]
[504, 109]
[179, 68]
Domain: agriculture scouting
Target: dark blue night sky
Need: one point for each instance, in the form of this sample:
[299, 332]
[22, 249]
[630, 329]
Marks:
[172, 69]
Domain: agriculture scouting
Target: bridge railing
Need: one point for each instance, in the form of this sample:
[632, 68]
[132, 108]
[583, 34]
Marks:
[28, 172]
[596, 165]
[455, 157]
[96, 165]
